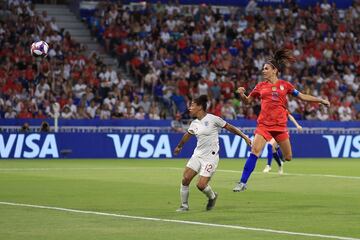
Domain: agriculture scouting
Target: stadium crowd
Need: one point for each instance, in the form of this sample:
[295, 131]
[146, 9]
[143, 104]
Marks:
[174, 53]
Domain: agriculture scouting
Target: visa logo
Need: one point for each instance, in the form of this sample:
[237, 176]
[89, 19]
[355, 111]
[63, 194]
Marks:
[28, 146]
[237, 145]
[348, 144]
[141, 146]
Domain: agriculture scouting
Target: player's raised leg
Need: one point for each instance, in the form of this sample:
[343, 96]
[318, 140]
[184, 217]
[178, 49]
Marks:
[188, 176]
[258, 145]
[285, 147]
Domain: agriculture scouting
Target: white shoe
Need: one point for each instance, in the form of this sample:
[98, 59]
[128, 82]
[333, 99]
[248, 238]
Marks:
[240, 187]
[281, 170]
[267, 169]
[183, 208]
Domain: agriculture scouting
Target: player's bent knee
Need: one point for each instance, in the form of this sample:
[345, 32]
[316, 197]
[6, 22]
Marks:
[256, 151]
[201, 186]
[288, 157]
[186, 181]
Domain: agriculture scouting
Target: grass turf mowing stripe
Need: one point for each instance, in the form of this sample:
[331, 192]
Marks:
[173, 168]
[179, 221]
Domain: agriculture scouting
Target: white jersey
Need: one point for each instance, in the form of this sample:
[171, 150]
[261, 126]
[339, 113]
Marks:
[206, 131]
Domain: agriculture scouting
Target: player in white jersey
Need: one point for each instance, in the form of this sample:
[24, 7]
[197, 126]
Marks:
[205, 158]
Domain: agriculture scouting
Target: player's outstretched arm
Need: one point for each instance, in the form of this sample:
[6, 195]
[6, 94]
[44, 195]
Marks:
[244, 98]
[237, 131]
[309, 98]
[298, 126]
[180, 145]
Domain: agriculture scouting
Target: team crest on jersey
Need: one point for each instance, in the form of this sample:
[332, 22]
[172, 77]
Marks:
[206, 123]
[282, 87]
[273, 88]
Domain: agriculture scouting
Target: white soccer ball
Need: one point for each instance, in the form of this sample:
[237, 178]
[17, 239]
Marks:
[39, 49]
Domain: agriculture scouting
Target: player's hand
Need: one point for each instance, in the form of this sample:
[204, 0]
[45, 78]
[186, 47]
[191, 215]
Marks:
[299, 128]
[241, 90]
[177, 150]
[325, 102]
[248, 141]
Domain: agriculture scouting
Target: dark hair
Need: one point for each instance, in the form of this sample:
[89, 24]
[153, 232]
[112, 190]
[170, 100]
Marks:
[282, 58]
[202, 101]
[44, 127]
[25, 127]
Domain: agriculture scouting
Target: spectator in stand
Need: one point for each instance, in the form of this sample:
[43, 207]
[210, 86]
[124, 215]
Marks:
[322, 114]
[66, 113]
[140, 114]
[154, 113]
[25, 128]
[25, 114]
[81, 113]
[45, 127]
[228, 111]
[40, 114]
[145, 103]
[177, 125]
[345, 112]
[105, 112]
[91, 110]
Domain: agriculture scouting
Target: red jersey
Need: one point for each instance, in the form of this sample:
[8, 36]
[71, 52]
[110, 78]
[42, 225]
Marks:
[273, 102]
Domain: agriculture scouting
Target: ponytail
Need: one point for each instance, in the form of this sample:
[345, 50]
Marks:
[281, 59]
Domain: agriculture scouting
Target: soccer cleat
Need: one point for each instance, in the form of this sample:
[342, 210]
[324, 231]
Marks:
[281, 170]
[211, 203]
[183, 208]
[267, 169]
[240, 187]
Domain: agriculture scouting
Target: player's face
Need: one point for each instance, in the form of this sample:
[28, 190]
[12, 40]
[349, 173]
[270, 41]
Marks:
[268, 71]
[194, 109]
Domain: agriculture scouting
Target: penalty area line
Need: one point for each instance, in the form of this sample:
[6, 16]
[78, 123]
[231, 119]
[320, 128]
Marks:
[177, 221]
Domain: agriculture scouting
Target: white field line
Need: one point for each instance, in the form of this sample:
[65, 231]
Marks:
[71, 169]
[300, 174]
[179, 221]
[172, 168]
[290, 174]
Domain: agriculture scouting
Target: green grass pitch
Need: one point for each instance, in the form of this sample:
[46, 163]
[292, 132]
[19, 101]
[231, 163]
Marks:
[318, 196]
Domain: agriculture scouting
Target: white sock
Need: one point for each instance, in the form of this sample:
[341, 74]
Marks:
[184, 194]
[209, 192]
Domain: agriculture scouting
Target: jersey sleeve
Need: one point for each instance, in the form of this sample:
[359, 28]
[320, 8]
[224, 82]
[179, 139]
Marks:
[192, 128]
[219, 122]
[290, 88]
[256, 91]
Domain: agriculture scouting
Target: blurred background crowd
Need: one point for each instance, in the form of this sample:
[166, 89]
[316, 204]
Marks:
[170, 54]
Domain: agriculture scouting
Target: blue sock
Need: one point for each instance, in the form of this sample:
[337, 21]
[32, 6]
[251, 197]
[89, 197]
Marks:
[270, 154]
[249, 167]
[277, 158]
[280, 154]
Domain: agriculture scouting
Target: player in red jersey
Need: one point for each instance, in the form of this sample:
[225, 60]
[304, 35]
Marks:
[272, 120]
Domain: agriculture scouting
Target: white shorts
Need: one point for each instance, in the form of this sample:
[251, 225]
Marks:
[204, 165]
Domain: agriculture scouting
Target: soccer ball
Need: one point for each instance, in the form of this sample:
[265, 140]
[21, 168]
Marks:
[39, 49]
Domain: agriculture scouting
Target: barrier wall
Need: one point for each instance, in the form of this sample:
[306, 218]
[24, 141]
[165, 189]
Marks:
[105, 145]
